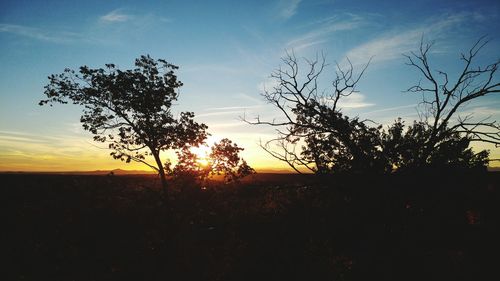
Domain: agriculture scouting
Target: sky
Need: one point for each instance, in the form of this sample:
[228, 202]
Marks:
[226, 51]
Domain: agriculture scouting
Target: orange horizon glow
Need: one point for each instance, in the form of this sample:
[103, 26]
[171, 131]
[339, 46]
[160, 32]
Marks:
[103, 162]
[118, 165]
[145, 170]
[82, 155]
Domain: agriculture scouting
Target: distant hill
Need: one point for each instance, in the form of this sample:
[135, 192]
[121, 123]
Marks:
[143, 172]
[129, 172]
[275, 171]
[97, 172]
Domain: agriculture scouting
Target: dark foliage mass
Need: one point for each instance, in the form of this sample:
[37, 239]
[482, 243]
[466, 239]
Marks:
[223, 160]
[314, 134]
[270, 227]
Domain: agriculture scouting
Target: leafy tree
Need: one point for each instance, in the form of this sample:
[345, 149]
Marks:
[188, 168]
[223, 160]
[405, 149]
[130, 109]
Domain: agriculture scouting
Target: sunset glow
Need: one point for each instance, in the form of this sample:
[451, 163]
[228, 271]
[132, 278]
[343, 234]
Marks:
[226, 53]
[250, 140]
[202, 154]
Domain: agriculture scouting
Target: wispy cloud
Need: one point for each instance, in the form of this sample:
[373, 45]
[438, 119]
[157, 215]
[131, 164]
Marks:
[43, 35]
[233, 112]
[226, 125]
[288, 8]
[20, 139]
[481, 110]
[115, 16]
[35, 138]
[211, 68]
[267, 85]
[354, 101]
[257, 100]
[62, 145]
[322, 30]
[395, 108]
[232, 107]
[390, 46]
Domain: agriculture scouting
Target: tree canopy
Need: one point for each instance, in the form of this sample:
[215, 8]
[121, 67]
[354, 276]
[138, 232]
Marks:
[129, 109]
[223, 160]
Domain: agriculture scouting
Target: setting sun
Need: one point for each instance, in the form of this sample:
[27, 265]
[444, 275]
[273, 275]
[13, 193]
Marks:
[223, 86]
[263, 140]
[202, 153]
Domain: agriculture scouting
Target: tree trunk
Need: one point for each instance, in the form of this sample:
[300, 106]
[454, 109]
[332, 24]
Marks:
[161, 171]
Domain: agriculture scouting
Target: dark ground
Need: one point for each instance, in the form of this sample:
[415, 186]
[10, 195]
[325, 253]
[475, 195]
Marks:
[271, 227]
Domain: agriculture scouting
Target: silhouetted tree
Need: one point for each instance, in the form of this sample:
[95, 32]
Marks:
[130, 109]
[188, 168]
[438, 138]
[314, 134]
[223, 160]
[405, 148]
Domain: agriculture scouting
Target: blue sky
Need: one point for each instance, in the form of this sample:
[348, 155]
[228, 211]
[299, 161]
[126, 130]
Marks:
[226, 51]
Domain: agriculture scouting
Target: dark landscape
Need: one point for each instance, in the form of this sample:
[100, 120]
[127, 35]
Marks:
[421, 226]
[268, 140]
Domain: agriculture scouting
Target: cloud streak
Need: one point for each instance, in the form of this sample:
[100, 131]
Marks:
[288, 8]
[233, 107]
[353, 101]
[93, 34]
[391, 46]
[383, 110]
[322, 30]
[115, 16]
[234, 112]
[40, 34]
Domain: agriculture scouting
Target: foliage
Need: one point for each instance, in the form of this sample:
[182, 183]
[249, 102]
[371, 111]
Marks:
[188, 168]
[223, 160]
[315, 135]
[130, 109]
[405, 149]
[347, 145]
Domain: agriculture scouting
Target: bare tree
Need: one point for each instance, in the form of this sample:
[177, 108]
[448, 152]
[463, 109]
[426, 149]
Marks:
[314, 134]
[443, 99]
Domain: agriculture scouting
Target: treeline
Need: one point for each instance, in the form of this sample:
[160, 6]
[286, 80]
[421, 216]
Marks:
[131, 111]
[314, 134]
